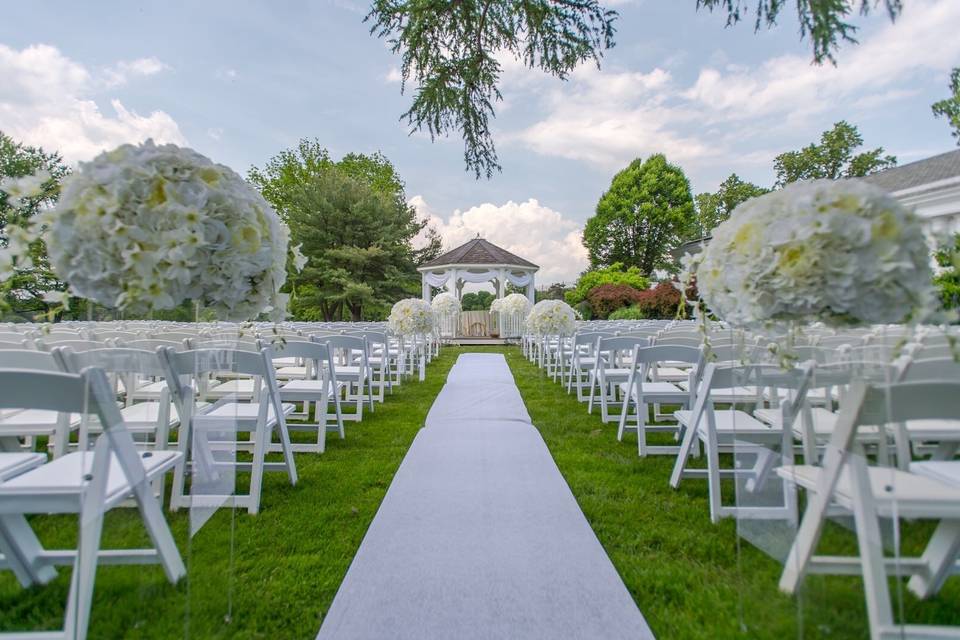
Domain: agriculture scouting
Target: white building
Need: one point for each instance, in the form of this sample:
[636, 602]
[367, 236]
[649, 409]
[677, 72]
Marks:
[931, 187]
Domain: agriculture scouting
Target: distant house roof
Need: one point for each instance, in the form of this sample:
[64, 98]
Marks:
[478, 251]
[921, 172]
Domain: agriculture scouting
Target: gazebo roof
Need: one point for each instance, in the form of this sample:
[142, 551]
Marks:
[478, 252]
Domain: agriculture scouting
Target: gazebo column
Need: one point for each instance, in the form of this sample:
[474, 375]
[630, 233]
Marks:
[502, 284]
[531, 290]
[426, 288]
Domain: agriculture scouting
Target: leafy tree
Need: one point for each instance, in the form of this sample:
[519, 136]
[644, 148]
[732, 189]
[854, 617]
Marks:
[646, 212]
[947, 279]
[479, 301]
[949, 108]
[556, 291]
[614, 274]
[451, 51]
[714, 208]
[834, 157]
[355, 226]
[825, 22]
[23, 292]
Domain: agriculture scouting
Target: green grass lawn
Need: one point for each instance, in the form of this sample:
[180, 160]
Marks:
[690, 578]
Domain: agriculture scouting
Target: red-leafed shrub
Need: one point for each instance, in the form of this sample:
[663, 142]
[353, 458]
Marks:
[661, 302]
[607, 298]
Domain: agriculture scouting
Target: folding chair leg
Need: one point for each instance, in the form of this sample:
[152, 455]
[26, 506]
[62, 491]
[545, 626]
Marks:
[22, 551]
[686, 448]
[261, 436]
[284, 435]
[85, 565]
[938, 558]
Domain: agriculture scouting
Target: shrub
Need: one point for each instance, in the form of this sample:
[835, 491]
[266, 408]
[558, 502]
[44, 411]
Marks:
[627, 313]
[607, 298]
[661, 302]
[614, 274]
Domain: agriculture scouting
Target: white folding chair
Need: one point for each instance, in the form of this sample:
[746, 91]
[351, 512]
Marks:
[260, 419]
[734, 431]
[870, 493]
[319, 389]
[642, 392]
[84, 483]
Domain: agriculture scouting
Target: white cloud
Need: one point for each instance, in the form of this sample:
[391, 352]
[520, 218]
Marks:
[215, 133]
[394, 76]
[47, 99]
[529, 229]
[124, 70]
[608, 118]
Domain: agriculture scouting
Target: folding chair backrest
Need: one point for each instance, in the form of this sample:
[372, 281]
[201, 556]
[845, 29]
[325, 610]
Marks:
[76, 345]
[6, 344]
[684, 340]
[29, 359]
[112, 360]
[839, 341]
[230, 344]
[903, 401]
[932, 369]
[936, 349]
[672, 353]
[151, 344]
[84, 392]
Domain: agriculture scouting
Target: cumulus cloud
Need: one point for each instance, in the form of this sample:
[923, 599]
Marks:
[47, 99]
[609, 117]
[529, 229]
[124, 70]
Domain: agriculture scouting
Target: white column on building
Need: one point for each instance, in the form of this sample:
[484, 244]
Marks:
[426, 287]
[531, 289]
[502, 284]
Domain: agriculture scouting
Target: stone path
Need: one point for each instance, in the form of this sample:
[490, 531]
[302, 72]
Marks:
[479, 535]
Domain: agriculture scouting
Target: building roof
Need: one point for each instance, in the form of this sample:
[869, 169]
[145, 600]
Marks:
[921, 172]
[479, 251]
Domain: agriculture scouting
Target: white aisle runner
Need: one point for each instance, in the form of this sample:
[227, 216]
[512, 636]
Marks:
[479, 535]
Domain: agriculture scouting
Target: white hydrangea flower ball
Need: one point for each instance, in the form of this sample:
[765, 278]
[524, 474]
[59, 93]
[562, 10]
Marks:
[149, 226]
[838, 252]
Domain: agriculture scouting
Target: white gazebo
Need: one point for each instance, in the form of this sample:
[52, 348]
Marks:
[478, 261]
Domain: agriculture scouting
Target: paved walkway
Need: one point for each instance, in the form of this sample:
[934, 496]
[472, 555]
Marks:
[479, 535]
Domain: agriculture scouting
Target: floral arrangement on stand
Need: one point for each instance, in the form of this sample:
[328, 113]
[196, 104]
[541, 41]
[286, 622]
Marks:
[410, 317]
[446, 303]
[552, 317]
[839, 252]
[447, 308]
[149, 226]
[515, 303]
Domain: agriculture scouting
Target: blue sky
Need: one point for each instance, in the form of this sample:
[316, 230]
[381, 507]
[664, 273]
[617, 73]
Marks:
[240, 80]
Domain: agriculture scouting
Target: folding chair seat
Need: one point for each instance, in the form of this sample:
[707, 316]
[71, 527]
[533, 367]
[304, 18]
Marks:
[13, 464]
